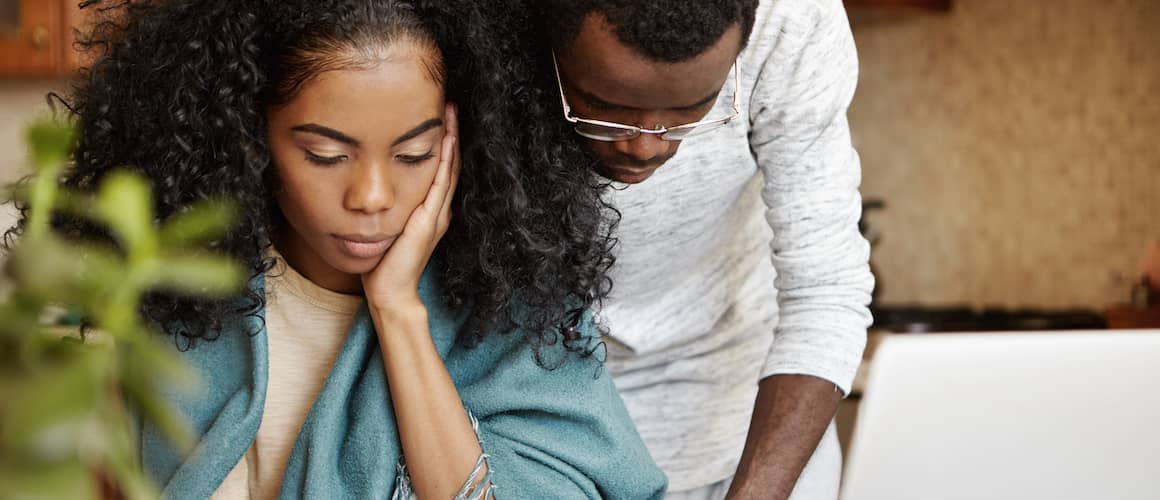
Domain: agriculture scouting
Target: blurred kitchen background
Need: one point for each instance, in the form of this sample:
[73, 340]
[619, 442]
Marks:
[20, 101]
[1011, 164]
[1010, 152]
[1015, 145]
[36, 58]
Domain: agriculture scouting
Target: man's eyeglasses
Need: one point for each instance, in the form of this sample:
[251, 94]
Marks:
[614, 132]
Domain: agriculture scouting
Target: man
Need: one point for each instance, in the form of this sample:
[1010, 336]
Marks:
[741, 276]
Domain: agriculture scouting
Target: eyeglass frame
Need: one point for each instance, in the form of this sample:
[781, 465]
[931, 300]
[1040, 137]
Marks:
[660, 131]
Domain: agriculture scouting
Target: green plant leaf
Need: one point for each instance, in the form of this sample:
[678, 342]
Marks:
[66, 273]
[46, 481]
[121, 459]
[125, 204]
[199, 274]
[201, 223]
[150, 369]
[49, 143]
[16, 322]
[54, 400]
[144, 357]
[143, 395]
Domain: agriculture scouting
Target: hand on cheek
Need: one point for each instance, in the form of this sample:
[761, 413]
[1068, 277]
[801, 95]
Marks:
[394, 283]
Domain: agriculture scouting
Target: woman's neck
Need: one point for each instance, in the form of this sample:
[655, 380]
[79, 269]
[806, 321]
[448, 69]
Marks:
[303, 259]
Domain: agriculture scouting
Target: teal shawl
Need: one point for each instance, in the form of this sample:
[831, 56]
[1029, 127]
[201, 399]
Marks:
[561, 433]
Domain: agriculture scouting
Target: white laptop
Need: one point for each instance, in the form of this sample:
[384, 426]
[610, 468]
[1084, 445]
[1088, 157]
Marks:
[996, 416]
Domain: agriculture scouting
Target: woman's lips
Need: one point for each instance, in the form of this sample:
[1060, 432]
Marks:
[365, 247]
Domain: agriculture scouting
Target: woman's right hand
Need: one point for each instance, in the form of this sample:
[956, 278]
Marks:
[395, 281]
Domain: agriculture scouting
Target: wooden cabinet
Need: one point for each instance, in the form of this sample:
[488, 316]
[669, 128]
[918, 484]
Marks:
[37, 37]
[1127, 316]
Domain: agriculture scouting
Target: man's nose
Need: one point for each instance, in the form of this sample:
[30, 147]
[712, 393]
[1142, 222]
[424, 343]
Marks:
[643, 147]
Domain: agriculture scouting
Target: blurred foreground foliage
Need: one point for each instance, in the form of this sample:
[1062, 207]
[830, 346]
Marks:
[70, 409]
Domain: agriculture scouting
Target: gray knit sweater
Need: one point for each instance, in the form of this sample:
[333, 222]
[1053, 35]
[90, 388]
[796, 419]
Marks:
[741, 258]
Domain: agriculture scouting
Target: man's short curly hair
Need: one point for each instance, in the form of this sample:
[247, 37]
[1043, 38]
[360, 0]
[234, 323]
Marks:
[664, 30]
[180, 88]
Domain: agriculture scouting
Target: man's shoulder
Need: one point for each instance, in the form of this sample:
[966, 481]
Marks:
[786, 29]
[777, 19]
[797, 9]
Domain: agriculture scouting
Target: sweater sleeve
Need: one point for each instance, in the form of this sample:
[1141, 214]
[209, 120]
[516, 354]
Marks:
[801, 140]
[561, 432]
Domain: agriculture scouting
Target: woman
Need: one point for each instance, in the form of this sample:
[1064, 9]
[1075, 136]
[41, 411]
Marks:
[403, 309]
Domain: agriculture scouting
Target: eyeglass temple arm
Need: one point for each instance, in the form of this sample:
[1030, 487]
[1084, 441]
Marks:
[560, 86]
[736, 88]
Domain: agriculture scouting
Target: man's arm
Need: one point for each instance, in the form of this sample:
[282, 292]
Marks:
[801, 140]
[791, 414]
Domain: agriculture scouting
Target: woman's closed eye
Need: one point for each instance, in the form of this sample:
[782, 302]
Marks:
[415, 158]
[318, 159]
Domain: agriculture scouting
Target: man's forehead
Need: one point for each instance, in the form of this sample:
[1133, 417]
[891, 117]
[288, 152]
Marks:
[663, 101]
[598, 64]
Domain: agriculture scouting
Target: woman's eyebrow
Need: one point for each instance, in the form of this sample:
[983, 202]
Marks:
[314, 128]
[415, 132]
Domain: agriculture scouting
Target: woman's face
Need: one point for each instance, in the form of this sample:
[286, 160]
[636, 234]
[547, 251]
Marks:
[356, 152]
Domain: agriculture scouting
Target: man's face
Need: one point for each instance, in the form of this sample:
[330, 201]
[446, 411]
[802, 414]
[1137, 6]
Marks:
[606, 80]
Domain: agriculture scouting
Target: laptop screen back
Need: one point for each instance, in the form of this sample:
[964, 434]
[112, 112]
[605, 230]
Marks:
[1028, 416]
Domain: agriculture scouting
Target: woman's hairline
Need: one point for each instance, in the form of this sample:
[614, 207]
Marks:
[362, 54]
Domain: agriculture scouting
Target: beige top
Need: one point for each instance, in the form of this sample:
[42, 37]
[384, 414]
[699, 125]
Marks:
[305, 326]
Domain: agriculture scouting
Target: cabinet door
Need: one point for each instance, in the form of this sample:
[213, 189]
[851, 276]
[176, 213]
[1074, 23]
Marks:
[76, 19]
[31, 43]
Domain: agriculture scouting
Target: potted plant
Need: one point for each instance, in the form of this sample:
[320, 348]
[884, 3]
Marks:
[70, 404]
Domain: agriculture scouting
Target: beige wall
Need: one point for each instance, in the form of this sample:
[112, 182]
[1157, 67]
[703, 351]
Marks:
[20, 101]
[1017, 145]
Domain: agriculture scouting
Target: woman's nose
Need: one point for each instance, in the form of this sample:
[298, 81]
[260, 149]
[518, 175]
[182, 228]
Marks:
[371, 188]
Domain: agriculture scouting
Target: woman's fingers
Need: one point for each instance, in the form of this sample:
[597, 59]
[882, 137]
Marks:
[440, 189]
[452, 121]
[438, 193]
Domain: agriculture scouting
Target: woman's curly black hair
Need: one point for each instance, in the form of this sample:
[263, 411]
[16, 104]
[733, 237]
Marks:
[178, 90]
